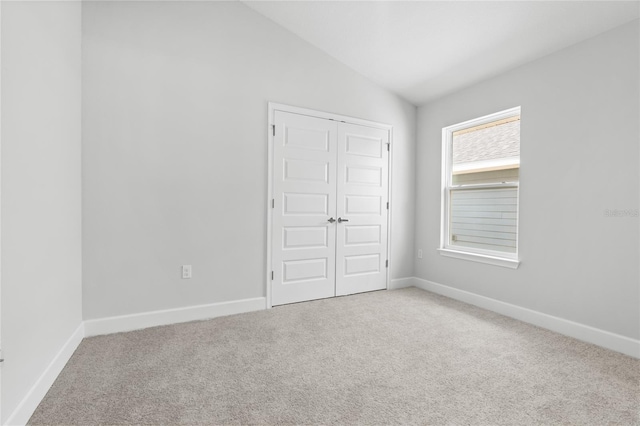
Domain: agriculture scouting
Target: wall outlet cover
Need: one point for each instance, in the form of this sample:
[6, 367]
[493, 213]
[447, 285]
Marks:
[186, 272]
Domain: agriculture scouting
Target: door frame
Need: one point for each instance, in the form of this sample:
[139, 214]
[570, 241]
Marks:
[272, 108]
[1, 353]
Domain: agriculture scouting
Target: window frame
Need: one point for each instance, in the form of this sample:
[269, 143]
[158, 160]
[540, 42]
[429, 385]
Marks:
[498, 258]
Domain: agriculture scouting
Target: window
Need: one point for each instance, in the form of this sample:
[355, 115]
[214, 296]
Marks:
[480, 181]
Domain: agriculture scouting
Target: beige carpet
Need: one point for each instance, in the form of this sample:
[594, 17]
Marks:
[388, 357]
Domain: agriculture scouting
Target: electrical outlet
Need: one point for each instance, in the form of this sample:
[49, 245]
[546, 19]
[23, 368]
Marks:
[186, 272]
[419, 253]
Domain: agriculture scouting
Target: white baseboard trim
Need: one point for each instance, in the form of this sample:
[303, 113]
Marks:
[132, 322]
[401, 283]
[606, 339]
[34, 396]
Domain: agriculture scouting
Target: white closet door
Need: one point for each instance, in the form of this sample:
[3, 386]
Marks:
[304, 188]
[363, 180]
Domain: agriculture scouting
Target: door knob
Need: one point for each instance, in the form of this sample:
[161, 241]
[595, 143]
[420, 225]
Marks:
[331, 220]
[342, 220]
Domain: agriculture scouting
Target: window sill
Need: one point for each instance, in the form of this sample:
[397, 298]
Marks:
[491, 260]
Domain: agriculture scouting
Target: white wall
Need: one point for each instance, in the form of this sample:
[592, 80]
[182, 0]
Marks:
[579, 157]
[41, 242]
[175, 145]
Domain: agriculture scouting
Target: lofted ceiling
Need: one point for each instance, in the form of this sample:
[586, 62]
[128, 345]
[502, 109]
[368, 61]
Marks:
[422, 50]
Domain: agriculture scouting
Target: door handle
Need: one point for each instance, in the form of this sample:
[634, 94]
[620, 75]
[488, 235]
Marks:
[331, 220]
[340, 220]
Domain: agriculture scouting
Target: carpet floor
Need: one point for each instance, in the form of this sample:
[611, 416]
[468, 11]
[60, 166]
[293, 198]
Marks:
[389, 357]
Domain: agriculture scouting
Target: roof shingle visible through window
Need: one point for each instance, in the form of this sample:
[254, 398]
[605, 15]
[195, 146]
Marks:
[491, 143]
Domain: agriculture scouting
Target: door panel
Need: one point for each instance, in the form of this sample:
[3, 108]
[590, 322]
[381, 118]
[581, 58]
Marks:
[362, 200]
[364, 175]
[364, 146]
[304, 170]
[362, 234]
[296, 237]
[295, 204]
[296, 271]
[362, 264]
[304, 189]
[362, 205]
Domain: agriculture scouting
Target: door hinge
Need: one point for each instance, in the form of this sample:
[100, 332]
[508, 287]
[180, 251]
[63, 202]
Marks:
[273, 203]
[387, 205]
[386, 265]
[273, 129]
[388, 147]
[271, 275]
[1, 357]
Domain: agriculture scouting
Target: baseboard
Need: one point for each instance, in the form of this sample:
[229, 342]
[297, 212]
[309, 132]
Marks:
[401, 283]
[132, 322]
[30, 402]
[606, 339]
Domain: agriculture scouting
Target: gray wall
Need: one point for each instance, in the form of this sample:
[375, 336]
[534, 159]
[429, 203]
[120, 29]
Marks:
[579, 157]
[41, 252]
[175, 145]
